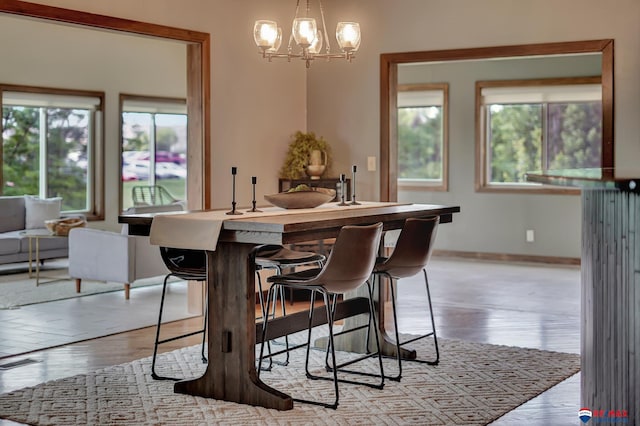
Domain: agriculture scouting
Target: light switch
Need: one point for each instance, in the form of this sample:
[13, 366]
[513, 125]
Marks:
[371, 164]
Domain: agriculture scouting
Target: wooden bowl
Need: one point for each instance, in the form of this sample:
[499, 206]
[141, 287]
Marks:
[301, 199]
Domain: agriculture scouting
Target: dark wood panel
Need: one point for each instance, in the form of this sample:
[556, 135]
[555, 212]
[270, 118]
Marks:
[610, 301]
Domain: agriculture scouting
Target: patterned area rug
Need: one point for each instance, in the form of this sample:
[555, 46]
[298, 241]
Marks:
[474, 384]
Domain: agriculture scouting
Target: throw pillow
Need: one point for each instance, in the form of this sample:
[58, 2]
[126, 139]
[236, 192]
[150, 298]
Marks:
[38, 210]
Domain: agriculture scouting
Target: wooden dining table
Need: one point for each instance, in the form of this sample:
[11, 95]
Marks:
[232, 329]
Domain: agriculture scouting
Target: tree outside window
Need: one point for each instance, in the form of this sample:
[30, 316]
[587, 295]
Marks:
[538, 127]
[422, 141]
[46, 150]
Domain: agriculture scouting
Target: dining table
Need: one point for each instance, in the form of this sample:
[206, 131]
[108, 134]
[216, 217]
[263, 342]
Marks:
[229, 241]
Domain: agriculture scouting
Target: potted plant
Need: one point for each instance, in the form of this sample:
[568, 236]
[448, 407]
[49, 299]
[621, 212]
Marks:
[307, 154]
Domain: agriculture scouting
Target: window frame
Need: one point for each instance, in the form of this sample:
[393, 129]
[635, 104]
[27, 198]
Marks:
[482, 165]
[95, 179]
[123, 98]
[436, 185]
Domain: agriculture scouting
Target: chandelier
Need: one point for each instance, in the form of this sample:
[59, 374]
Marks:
[308, 36]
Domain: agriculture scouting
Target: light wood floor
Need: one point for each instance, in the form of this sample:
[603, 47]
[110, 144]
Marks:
[511, 304]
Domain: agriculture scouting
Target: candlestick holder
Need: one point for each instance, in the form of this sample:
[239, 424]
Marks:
[353, 187]
[342, 190]
[234, 171]
[254, 180]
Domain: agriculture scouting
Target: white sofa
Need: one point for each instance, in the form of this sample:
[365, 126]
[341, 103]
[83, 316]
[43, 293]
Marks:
[14, 247]
[115, 257]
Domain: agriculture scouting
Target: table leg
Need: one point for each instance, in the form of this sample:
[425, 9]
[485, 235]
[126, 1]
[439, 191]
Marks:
[37, 261]
[231, 372]
[30, 257]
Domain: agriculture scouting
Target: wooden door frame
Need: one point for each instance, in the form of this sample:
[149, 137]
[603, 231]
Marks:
[388, 93]
[198, 67]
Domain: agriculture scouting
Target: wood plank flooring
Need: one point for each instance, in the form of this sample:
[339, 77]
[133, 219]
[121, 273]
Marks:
[525, 305]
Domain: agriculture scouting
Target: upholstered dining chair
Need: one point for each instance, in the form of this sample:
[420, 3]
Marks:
[187, 265]
[410, 256]
[342, 272]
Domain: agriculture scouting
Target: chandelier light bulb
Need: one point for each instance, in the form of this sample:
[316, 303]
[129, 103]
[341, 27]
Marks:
[309, 34]
[265, 34]
[348, 36]
[277, 42]
[316, 46]
[304, 31]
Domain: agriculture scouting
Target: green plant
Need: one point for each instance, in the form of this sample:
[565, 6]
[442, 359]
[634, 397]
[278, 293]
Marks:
[298, 154]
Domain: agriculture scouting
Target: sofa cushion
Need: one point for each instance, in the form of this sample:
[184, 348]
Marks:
[12, 213]
[9, 244]
[38, 210]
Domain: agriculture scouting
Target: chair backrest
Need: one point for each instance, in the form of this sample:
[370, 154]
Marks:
[413, 248]
[151, 195]
[185, 263]
[352, 258]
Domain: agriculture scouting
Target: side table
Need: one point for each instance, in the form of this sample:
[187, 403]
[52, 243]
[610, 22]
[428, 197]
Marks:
[34, 249]
[331, 183]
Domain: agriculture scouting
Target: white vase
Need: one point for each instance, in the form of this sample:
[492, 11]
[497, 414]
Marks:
[317, 164]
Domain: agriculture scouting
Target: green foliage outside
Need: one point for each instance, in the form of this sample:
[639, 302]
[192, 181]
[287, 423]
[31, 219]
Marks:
[574, 134]
[516, 141]
[66, 134]
[420, 142]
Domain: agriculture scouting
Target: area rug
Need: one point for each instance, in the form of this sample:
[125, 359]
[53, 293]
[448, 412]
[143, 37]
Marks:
[17, 289]
[474, 384]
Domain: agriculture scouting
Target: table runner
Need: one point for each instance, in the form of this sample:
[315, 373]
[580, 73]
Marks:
[201, 230]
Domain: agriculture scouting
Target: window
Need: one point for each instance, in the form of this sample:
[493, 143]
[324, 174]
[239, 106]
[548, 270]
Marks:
[422, 136]
[50, 141]
[537, 125]
[154, 145]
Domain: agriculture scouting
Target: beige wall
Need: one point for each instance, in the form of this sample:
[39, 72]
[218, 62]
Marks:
[343, 103]
[256, 105]
[56, 56]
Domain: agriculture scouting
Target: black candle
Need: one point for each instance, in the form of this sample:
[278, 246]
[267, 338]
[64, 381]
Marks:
[234, 171]
[353, 186]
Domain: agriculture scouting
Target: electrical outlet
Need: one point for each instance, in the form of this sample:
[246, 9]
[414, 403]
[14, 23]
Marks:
[530, 236]
[371, 164]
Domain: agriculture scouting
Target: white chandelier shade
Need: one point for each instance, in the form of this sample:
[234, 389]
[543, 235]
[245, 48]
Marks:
[309, 36]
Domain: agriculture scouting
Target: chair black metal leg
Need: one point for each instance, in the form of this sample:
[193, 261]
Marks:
[374, 320]
[397, 333]
[263, 310]
[204, 329]
[331, 345]
[395, 327]
[284, 313]
[433, 323]
[157, 340]
[333, 310]
[265, 325]
[371, 320]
